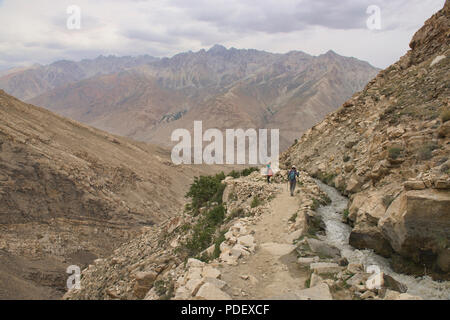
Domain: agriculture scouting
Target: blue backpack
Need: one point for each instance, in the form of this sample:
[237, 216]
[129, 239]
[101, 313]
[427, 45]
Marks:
[292, 175]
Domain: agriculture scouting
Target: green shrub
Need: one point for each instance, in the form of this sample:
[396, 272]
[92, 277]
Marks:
[394, 152]
[235, 174]
[203, 232]
[294, 217]
[425, 152]
[255, 202]
[445, 115]
[164, 289]
[236, 213]
[248, 171]
[345, 213]
[315, 205]
[204, 189]
[326, 178]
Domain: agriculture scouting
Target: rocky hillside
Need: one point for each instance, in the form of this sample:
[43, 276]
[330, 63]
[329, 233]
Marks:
[226, 88]
[265, 245]
[387, 148]
[70, 193]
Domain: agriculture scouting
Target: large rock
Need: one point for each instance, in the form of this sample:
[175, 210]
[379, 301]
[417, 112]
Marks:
[392, 284]
[323, 248]
[209, 291]
[325, 267]
[364, 236]
[367, 207]
[247, 241]
[318, 292]
[144, 282]
[444, 129]
[417, 224]
[210, 272]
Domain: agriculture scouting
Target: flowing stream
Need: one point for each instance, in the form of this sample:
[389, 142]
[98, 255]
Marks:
[338, 233]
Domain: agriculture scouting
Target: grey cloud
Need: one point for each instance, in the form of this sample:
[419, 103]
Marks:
[147, 35]
[271, 16]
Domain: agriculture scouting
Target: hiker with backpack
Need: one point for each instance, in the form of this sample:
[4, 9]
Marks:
[293, 174]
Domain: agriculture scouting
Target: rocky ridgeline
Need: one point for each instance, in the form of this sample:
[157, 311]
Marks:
[387, 148]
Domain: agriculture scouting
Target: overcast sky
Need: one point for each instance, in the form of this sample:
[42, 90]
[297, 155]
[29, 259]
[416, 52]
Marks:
[35, 31]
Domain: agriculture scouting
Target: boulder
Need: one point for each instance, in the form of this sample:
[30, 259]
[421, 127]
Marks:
[416, 224]
[364, 236]
[193, 286]
[145, 278]
[318, 292]
[392, 284]
[444, 130]
[307, 261]
[210, 272]
[230, 257]
[414, 185]
[355, 268]
[144, 282]
[323, 248]
[209, 291]
[443, 260]
[315, 280]
[325, 267]
[194, 273]
[194, 263]
[247, 241]
[354, 184]
[367, 207]
[358, 279]
[395, 295]
[217, 282]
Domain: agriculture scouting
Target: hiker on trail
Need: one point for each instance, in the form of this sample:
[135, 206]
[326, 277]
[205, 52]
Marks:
[292, 178]
[269, 173]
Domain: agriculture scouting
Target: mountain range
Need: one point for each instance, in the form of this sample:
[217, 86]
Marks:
[146, 98]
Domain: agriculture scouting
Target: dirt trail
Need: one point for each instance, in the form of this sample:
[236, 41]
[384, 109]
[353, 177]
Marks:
[270, 274]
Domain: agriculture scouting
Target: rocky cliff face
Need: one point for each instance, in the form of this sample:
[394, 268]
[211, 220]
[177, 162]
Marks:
[70, 193]
[388, 149]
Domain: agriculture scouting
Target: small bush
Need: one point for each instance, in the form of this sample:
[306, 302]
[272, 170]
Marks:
[235, 174]
[294, 217]
[315, 205]
[345, 213]
[204, 189]
[236, 213]
[445, 115]
[256, 202]
[164, 289]
[203, 232]
[346, 158]
[426, 151]
[394, 152]
[248, 171]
